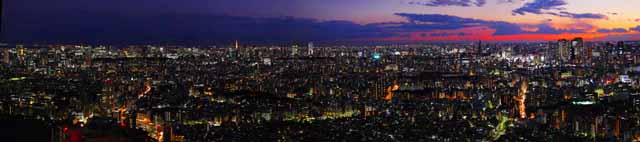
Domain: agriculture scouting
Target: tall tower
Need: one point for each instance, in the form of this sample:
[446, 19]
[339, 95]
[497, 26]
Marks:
[563, 50]
[620, 51]
[577, 50]
[237, 45]
[21, 53]
[479, 48]
[87, 58]
[310, 49]
[294, 50]
[549, 53]
[620, 48]
[6, 56]
[233, 51]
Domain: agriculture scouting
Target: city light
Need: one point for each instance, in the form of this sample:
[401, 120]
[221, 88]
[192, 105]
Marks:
[306, 71]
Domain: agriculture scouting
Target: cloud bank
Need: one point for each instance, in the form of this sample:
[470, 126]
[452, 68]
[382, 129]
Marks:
[438, 3]
[549, 6]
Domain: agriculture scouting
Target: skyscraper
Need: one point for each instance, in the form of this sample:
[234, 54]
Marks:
[6, 56]
[619, 48]
[294, 50]
[621, 51]
[563, 50]
[233, 51]
[577, 50]
[479, 47]
[21, 54]
[549, 52]
[237, 45]
[310, 49]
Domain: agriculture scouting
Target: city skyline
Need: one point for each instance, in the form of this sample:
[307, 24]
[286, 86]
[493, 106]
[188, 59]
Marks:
[197, 21]
[322, 70]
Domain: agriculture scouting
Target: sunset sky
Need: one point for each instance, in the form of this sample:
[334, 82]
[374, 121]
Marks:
[319, 20]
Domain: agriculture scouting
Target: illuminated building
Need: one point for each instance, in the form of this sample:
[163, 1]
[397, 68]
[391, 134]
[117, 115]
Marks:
[236, 44]
[620, 48]
[21, 53]
[87, 59]
[376, 56]
[521, 98]
[6, 56]
[563, 50]
[622, 53]
[43, 55]
[310, 49]
[233, 51]
[294, 50]
[578, 51]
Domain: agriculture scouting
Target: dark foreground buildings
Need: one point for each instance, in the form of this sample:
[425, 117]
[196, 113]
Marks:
[570, 90]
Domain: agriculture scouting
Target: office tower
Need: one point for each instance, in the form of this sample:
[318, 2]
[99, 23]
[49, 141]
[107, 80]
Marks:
[563, 50]
[237, 45]
[21, 54]
[294, 50]
[479, 47]
[6, 59]
[87, 59]
[619, 50]
[549, 53]
[578, 51]
[310, 49]
[44, 59]
[233, 51]
[622, 52]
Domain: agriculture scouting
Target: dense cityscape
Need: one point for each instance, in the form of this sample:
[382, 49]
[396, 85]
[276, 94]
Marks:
[564, 90]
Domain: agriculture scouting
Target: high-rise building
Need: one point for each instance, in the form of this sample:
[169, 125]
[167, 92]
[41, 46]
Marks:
[21, 54]
[6, 56]
[310, 49]
[87, 58]
[43, 55]
[619, 48]
[237, 45]
[578, 51]
[233, 51]
[294, 50]
[623, 53]
[549, 52]
[479, 47]
[563, 50]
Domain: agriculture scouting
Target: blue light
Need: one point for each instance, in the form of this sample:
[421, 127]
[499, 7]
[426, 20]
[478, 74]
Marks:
[376, 56]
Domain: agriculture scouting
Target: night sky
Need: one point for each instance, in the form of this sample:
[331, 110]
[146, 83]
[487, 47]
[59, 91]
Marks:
[278, 21]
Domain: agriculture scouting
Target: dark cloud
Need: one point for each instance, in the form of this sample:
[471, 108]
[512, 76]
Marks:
[463, 3]
[444, 34]
[637, 29]
[422, 22]
[509, 1]
[581, 15]
[547, 6]
[219, 29]
[615, 30]
[537, 6]
[637, 20]
[180, 28]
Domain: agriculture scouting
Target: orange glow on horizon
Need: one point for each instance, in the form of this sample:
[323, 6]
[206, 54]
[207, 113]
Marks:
[486, 34]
